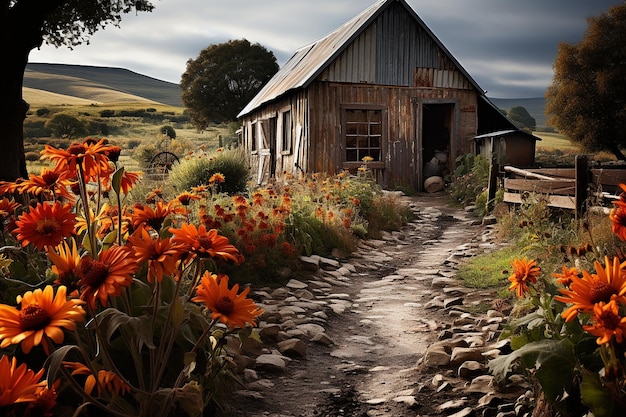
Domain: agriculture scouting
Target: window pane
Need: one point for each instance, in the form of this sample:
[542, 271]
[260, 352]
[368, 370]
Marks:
[363, 134]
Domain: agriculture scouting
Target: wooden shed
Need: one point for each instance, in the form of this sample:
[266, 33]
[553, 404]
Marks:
[508, 147]
[381, 85]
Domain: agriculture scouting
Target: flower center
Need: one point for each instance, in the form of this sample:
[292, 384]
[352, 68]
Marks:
[205, 242]
[93, 272]
[225, 305]
[50, 177]
[33, 317]
[600, 291]
[76, 149]
[47, 227]
[608, 320]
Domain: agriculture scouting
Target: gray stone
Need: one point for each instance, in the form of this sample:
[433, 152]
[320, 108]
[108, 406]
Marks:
[270, 363]
[295, 284]
[461, 354]
[292, 348]
[436, 356]
[470, 369]
[322, 338]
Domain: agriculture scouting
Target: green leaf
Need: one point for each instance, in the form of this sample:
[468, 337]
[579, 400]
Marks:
[55, 361]
[116, 181]
[595, 396]
[555, 369]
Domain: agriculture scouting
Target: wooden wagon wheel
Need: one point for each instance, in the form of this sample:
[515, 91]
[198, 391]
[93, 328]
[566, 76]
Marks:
[162, 162]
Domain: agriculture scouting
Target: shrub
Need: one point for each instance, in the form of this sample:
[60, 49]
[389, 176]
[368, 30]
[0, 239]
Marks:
[469, 180]
[32, 156]
[107, 113]
[42, 112]
[64, 125]
[197, 170]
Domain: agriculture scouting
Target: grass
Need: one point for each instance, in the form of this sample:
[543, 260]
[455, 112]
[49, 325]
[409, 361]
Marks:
[488, 270]
[551, 140]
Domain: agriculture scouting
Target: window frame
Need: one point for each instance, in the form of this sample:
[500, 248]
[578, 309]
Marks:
[351, 164]
[286, 133]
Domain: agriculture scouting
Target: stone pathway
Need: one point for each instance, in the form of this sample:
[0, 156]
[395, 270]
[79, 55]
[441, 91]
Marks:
[390, 331]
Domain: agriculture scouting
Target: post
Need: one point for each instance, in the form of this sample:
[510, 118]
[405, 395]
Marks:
[582, 183]
[492, 187]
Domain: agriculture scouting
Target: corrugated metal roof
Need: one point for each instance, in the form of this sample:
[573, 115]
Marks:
[505, 133]
[310, 60]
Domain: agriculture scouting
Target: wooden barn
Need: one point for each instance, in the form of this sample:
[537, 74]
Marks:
[382, 85]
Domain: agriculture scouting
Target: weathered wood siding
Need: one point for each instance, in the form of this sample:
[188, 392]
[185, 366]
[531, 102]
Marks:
[293, 161]
[402, 163]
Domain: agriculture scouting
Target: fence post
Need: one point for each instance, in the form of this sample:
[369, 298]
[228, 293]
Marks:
[492, 187]
[582, 183]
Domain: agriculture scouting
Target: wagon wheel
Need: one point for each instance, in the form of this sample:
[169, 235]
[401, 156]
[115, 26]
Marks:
[162, 162]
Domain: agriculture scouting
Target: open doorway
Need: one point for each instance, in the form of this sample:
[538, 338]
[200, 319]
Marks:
[437, 127]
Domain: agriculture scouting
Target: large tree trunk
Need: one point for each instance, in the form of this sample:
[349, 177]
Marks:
[20, 33]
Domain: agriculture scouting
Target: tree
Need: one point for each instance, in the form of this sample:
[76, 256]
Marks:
[520, 116]
[587, 98]
[24, 26]
[223, 79]
[66, 126]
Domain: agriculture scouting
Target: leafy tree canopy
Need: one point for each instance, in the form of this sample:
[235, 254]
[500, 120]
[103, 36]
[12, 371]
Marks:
[24, 26]
[587, 98]
[223, 79]
[521, 117]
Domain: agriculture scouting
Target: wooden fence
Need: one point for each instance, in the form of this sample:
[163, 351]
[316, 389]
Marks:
[567, 188]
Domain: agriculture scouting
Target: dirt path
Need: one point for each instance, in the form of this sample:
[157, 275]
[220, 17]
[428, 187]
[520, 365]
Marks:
[384, 316]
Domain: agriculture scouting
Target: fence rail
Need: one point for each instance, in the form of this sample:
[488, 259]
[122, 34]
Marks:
[567, 188]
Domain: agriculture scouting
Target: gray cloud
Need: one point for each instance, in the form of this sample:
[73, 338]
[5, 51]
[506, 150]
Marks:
[508, 47]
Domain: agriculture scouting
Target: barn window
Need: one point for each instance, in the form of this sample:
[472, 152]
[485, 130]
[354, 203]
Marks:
[286, 137]
[363, 134]
[253, 138]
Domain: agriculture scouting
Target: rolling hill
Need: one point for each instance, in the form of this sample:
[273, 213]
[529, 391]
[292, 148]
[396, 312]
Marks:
[535, 106]
[65, 84]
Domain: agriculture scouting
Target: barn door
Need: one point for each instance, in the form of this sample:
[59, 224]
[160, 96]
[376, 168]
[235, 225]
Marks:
[267, 152]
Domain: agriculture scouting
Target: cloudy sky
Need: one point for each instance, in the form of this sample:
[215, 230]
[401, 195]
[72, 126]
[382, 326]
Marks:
[507, 46]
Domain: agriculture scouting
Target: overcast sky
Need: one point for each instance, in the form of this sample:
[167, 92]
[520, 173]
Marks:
[507, 46]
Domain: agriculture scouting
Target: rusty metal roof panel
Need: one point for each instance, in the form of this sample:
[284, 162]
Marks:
[310, 60]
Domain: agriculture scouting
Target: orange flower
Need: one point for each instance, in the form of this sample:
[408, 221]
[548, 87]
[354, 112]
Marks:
[127, 181]
[154, 217]
[186, 198]
[42, 315]
[44, 403]
[524, 272]
[565, 278]
[607, 323]
[217, 178]
[204, 243]
[161, 254]
[18, 384]
[106, 381]
[618, 220]
[232, 309]
[90, 156]
[583, 293]
[65, 261]
[8, 207]
[45, 225]
[107, 275]
[52, 182]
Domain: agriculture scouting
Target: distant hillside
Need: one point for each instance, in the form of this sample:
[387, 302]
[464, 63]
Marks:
[99, 84]
[535, 106]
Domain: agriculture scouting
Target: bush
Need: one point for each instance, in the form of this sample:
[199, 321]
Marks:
[197, 170]
[469, 180]
[64, 125]
[42, 112]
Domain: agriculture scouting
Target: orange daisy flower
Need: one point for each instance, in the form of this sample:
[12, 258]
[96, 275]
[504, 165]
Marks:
[161, 254]
[607, 323]
[18, 384]
[107, 275]
[127, 181]
[524, 272]
[204, 243]
[617, 216]
[45, 225]
[106, 380]
[42, 315]
[8, 207]
[90, 155]
[65, 261]
[52, 182]
[186, 197]
[217, 178]
[154, 217]
[565, 277]
[232, 309]
[583, 293]
[44, 403]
